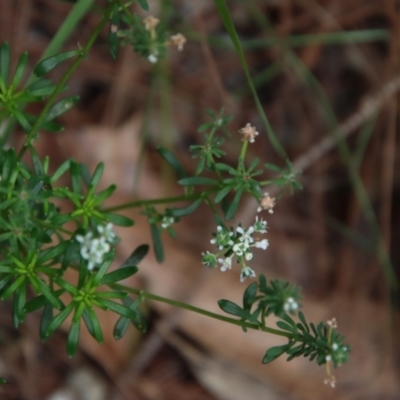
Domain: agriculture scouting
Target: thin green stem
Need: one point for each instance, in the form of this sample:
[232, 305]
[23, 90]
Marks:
[64, 80]
[201, 311]
[165, 200]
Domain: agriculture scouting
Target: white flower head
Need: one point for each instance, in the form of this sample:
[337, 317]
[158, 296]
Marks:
[248, 132]
[226, 263]
[107, 232]
[153, 57]
[247, 272]
[167, 221]
[246, 236]
[290, 304]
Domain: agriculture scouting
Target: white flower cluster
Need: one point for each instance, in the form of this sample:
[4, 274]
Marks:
[290, 304]
[93, 249]
[237, 244]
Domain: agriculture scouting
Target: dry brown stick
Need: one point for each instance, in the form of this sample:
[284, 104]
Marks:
[372, 104]
[368, 108]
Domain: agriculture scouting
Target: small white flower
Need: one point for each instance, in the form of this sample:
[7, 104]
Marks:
[86, 240]
[248, 256]
[290, 304]
[100, 247]
[260, 226]
[335, 346]
[226, 263]
[263, 244]
[167, 221]
[328, 358]
[246, 235]
[240, 248]
[107, 232]
[152, 58]
[246, 272]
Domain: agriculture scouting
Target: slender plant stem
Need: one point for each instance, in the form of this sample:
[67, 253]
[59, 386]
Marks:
[64, 80]
[201, 311]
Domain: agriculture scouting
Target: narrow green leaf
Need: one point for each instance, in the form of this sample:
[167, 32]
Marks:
[19, 71]
[54, 301]
[181, 212]
[98, 173]
[47, 316]
[249, 296]
[224, 13]
[118, 275]
[303, 320]
[92, 323]
[73, 338]
[157, 243]
[197, 180]
[274, 352]
[4, 62]
[144, 4]
[113, 40]
[138, 254]
[50, 63]
[172, 161]
[75, 173]
[59, 319]
[234, 205]
[231, 308]
[286, 327]
[37, 164]
[13, 287]
[61, 170]
[119, 220]
[222, 193]
[61, 107]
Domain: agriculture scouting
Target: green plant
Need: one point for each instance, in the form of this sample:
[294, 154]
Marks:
[40, 241]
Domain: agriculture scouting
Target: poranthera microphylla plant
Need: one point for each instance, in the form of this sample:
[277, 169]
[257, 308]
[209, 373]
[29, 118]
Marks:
[40, 241]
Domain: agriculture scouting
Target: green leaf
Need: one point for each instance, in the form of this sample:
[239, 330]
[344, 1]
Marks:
[37, 164]
[92, 323]
[119, 220]
[118, 308]
[61, 107]
[172, 161]
[59, 319]
[122, 324]
[4, 62]
[138, 254]
[98, 173]
[18, 305]
[231, 308]
[47, 316]
[274, 352]
[13, 287]
[19, 71]
[143, 4]
[61, 170]
[234, 205]
[157, 243]
[46, 291]
[249, 296]
[181, 212]
[118, 275]
[75, 173]
[222, 193]
[197, 180]
[286, 327]
[303, 321]
[73, 338]
[113, 40]
[50, 63]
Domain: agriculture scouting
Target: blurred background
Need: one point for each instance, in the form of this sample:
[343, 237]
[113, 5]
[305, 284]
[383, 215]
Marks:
[322, 69]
